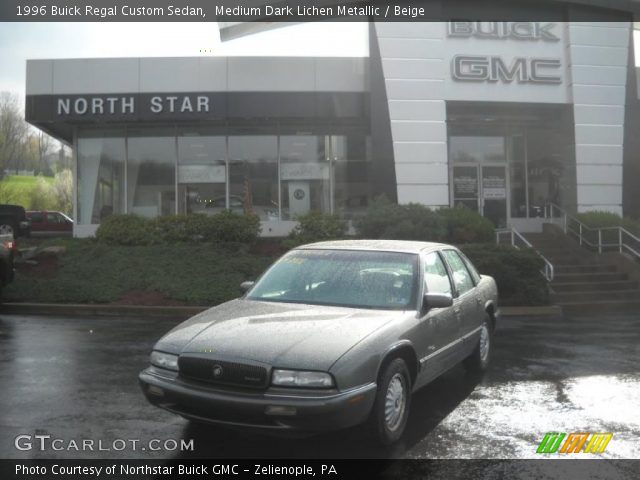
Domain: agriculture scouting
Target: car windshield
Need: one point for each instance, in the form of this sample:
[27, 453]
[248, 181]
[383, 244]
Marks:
[359, 279]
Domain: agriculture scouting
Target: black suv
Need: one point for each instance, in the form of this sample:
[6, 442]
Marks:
[14, 221]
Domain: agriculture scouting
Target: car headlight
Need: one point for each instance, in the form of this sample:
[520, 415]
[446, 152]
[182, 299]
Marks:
[164, 360]
[294, 378]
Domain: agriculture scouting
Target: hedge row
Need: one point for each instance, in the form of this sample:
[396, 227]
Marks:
[386, 220]
[601, 219]
[516, 272]
[224, 227]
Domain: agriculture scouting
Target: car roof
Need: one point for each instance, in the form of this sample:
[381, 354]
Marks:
[403, 246]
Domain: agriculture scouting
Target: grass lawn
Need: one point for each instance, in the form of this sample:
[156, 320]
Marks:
[181, 274]
[16, 189]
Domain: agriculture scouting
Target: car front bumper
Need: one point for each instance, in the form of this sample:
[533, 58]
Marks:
[307, 411]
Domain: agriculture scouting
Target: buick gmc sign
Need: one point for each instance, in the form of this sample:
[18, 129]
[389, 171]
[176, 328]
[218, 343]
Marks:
[504, 30]
[498, 68]
[486, 68]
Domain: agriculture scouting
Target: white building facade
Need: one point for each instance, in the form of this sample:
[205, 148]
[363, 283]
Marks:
[501, 117]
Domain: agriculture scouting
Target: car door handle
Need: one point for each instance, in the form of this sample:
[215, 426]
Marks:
[457, 310]
[479, 300]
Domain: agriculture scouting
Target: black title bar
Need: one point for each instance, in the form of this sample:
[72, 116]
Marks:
[328, 469]
[313, 10]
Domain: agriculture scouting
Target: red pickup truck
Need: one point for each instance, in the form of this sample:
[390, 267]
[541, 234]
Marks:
[48, 223]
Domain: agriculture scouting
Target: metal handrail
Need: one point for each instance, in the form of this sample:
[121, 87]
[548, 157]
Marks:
[571, 225]
[548, 271]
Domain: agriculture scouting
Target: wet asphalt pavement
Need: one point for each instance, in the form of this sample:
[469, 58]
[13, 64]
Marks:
[76, 378]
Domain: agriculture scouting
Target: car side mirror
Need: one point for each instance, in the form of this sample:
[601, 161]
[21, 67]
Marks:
[245, 286]
[436, 300]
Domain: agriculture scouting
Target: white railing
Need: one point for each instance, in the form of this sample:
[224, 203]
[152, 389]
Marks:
[599, 239]
[516, 239]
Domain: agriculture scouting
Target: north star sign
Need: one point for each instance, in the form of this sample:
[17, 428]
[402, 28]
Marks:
[492, 68]
[126, 104]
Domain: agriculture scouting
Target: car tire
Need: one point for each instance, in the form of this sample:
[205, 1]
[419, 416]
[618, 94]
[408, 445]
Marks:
[479, 359]
[393, 400]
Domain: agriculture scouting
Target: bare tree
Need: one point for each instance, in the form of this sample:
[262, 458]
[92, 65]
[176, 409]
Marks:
[13, 132]
[45, 146]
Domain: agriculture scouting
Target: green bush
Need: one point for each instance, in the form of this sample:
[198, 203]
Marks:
[466, 226]
[127, 230]
[417, 222]
[93, 272]
[224, 227]
[516, 272]
[229, 227]
[388, 220]
[172, 229]
[600, 219]
[317, 227]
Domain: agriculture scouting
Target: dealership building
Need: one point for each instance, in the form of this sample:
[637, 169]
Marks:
[502, 117]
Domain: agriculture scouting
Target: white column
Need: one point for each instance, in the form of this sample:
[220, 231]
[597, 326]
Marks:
[598, 55]
[413, 67]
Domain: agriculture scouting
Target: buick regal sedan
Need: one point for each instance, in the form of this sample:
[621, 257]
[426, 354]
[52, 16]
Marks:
[332, 335]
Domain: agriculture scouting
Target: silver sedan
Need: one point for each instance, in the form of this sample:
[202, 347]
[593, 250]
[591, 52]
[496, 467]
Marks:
[332, 335]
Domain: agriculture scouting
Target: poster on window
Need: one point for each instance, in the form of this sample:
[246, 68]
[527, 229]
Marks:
[465, 186]
[494, 187]
[304, 171]
[202, 174]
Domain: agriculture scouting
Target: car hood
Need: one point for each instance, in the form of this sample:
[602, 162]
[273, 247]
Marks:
[278, 334]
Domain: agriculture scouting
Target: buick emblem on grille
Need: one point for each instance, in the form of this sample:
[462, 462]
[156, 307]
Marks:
[217, 371]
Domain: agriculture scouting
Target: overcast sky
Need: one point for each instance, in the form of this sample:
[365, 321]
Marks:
[20, 41]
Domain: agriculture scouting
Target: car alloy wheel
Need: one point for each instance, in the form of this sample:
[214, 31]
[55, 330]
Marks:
[395, 402]
[478, 360]
[485, 340]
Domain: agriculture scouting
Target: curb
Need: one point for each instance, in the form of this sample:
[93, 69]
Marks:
[189, 311]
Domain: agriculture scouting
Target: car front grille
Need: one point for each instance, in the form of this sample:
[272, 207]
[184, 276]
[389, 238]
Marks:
[223, 372]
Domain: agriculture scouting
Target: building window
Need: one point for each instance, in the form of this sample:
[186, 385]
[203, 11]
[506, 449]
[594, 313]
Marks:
[477, 149]
[202, 173]
[151, 172]
[518, 176]
[305, 171]
[253, 175]
[101, 160]
[351, 174]
[550, 170]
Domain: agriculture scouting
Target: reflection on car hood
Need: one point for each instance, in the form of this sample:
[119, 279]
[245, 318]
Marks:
[279, 334]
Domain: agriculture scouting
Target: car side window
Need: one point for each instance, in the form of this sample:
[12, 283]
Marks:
[36, 217]
[435, 274]
[461, 276]
[54, 218]
[472, 269]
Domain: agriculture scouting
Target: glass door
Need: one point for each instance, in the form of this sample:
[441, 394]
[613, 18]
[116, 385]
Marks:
[466, 187]
[494, 194]
[483, 189]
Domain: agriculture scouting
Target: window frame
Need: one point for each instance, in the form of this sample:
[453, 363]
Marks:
[451, 271]
[438, 253]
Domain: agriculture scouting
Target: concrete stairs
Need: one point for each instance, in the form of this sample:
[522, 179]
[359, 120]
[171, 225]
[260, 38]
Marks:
[586, 283]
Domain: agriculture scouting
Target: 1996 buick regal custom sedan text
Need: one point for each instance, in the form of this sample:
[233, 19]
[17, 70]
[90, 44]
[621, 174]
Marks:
[332, 335]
